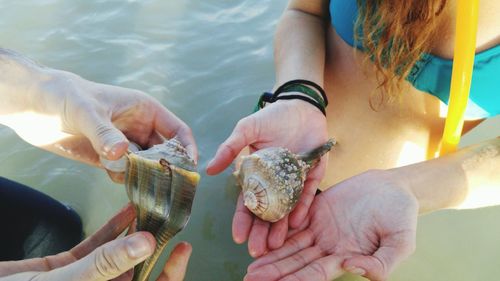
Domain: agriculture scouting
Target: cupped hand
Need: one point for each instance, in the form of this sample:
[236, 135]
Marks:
[101, 257]
[365, 225]
[293, 124]
[83, 120]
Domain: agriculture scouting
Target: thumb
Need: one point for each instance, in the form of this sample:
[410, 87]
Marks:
[367, 266]
[106, 139]
[378, 266]
[109, 260]
[244, 134]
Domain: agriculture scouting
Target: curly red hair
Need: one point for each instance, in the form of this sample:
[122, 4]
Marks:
[395, 34]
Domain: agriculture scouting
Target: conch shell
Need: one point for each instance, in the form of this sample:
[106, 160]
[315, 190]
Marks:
[272, 179]
[161, 184]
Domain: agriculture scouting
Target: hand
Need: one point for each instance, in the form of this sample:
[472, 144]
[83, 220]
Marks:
[294, 124]
[365, 225]
[98, 259]
[82, 120]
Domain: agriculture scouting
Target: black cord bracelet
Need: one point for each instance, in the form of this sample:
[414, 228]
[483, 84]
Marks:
[300, 86]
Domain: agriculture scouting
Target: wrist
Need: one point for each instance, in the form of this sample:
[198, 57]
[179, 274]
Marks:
[436, 184]
[19, 76]
[302, 106]
[298, 89]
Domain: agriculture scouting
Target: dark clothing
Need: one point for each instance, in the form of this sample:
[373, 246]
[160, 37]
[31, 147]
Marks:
[34, 224]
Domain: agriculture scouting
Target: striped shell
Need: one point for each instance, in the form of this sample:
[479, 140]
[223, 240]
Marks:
[272, 179]
[161, 184]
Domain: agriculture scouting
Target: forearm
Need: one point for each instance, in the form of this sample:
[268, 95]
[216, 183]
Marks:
[21, 276]
[300, 42]
[32, 94]
[468, 178]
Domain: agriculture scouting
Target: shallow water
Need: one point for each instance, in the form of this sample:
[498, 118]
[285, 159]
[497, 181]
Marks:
[206, 61]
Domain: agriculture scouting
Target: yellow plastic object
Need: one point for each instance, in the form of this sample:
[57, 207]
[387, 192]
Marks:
[463, 62]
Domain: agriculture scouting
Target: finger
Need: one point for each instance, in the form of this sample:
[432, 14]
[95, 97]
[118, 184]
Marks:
[293, 245]
[185, 136]
[175, 268]
[114, 227]
[132, 228]
[77, 148]
[378, 266]
[302, 227]
[169, 126]
[109, 260]
[277, 234]
[300, 211]
[127, 276]
[244, 134]
[323, 269]
[155, 138]
[257, 239]
[286, 266]
[116, 177]
[311, 185]
[242, 221]
[108, 232]
[106, 139]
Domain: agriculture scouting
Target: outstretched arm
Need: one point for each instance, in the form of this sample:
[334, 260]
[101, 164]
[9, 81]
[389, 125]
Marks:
[467, 178]
[367, 224]
[295, 124]
[80, 119]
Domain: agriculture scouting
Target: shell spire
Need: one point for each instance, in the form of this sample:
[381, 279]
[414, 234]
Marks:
[313, 157]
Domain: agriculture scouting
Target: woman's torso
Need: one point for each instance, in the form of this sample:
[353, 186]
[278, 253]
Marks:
[397, 134]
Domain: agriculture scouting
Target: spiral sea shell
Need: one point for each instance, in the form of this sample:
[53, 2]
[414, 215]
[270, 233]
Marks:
[161, 183]
[272, 179]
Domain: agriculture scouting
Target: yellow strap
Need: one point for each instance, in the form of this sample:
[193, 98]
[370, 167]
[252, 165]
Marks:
[463, 62]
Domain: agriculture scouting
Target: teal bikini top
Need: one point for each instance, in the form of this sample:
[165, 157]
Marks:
[432, 74]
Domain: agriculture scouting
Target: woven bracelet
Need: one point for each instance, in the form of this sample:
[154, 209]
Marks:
[309, 95]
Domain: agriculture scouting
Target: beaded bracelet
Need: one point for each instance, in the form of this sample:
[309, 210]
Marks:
[311, 96]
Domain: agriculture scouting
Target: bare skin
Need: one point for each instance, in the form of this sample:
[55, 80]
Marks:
[413, 121]
[383, 134]
[102, 256]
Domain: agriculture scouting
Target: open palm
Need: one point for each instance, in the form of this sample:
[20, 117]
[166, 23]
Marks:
[365, 225]
[293, 124]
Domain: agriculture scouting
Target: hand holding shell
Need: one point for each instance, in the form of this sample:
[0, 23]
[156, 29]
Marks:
[161, 184]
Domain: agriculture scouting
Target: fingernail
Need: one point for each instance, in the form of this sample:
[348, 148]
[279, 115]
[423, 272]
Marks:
[109, 151]
[253, 254]
[138, 246]
[115, 147]
[356, 270]
[112, 150]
